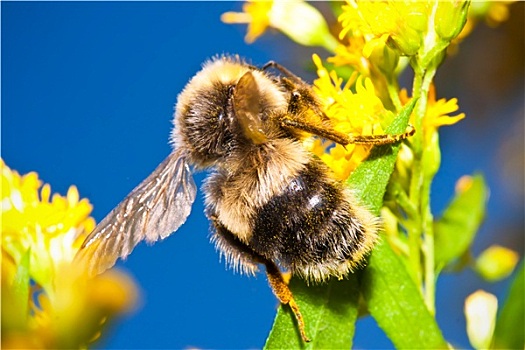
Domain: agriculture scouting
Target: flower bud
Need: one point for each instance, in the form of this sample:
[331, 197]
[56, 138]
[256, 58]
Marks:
[302, 23]
[496, 263]
[432, 154]
[384, 58]
[407, 42]
[480, 312]
[450, 18]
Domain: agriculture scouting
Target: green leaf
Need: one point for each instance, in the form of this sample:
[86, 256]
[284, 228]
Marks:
[457, 227]
[370, 179]
[396, 303]
[510, 325]
[329, 311]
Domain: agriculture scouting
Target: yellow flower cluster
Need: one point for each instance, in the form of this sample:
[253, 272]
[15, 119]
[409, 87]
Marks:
[420, 28]
[47, 300]
[52, 229]
[399, 23]
[351, 112]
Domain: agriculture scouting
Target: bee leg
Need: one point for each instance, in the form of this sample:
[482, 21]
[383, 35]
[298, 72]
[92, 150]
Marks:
[323, 130]
[283, 70]
[284, 294]
[344, 139]
[385, 139]
[241, 255]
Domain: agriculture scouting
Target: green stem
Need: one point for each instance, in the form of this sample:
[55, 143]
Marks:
[427, 219]
[430, 279]
[409, 215]
[419, 196]
[403, 201]
[393, 93]
[413, 232]
[427, 222]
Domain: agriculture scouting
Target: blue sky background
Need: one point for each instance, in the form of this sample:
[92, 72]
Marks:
[88, 90]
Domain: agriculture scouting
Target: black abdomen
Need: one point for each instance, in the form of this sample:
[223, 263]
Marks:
[310, 228]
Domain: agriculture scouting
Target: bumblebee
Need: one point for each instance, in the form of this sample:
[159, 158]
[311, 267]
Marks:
[270, 201]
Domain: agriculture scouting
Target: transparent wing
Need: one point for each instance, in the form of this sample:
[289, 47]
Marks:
[152, 211]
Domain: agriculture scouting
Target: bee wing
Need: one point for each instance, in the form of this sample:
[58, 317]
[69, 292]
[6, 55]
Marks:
[158, 206]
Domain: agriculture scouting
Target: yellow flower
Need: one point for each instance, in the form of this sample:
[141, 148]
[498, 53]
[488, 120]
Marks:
[352, 55]
[401, 24]
[298, 20]
[437, 113]
[47, 301]
[360, 112]
[256, 14]
[52, 228]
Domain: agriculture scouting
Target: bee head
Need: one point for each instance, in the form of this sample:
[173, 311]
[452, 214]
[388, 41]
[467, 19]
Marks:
[205, 124]
[225, 106]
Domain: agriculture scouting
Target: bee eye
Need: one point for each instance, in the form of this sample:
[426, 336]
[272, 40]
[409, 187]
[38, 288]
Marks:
[295, 102]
